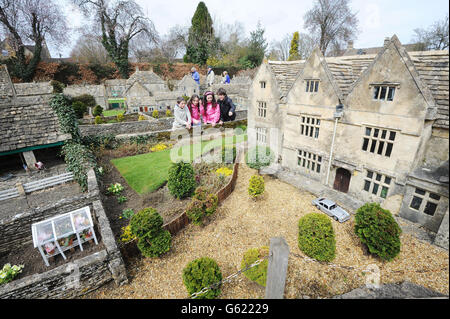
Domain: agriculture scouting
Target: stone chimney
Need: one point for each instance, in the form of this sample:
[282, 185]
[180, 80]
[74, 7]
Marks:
[386, 41]
[350, 45]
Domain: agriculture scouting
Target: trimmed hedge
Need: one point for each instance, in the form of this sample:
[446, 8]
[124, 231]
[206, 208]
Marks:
[181, 181]
[316, 237]
[256, 186]
[200, 273]
[378, 230]
[153, 240]
[257, 273]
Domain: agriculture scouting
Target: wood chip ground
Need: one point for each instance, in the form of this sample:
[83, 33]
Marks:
[241, 223]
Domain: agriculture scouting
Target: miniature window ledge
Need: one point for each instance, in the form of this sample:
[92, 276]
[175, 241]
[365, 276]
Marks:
[55, 235]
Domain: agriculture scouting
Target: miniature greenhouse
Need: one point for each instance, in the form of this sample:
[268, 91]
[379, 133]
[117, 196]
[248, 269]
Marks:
[55, 235]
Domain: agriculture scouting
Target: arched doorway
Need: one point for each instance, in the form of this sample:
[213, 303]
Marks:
[342, 180]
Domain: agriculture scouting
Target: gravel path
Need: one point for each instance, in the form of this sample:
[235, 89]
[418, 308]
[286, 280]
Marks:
[241, 223]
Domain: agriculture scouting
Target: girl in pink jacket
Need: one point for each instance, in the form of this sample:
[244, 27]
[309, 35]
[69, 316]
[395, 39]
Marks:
[212, 109]
[196, 108]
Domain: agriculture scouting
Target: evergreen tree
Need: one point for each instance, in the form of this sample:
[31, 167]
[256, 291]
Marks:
[256, 49]
[201, 36]
[293, 51]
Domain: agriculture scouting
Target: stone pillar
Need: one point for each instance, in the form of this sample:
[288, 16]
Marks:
[277, 268]
[29, 159]
[442, 234]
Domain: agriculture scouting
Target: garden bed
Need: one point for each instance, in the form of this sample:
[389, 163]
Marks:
[241, 223]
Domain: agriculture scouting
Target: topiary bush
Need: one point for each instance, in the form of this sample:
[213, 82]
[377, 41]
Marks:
[316, 237]
[256, 186]
[181, 181]
[257, 273]
[200, 273]
[80, 108]
[155, 114]
[378, 230]
[97, 111]
[259, 156]
[120, 117]
[98, 120]
[153, 239]
[58, 87]
[168, 113]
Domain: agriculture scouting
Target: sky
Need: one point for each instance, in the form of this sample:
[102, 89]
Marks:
[377, 18]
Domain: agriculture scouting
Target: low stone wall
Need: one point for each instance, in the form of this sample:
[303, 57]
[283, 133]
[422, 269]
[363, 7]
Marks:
[152, 125]
[74, 278]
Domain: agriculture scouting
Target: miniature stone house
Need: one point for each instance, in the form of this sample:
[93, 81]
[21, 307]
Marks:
[372, 126]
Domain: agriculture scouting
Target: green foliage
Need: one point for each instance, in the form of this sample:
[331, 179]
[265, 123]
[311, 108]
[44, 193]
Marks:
[79, 160]
[203, 204]
[127, 213]
[293, 51]
[120, 117]
[155, 114]
[259, 156]
[8, 272]
[377, 228]
[80, 108]
[97, 111]
[257, 273]
[98, 120]
[256, 49]
[66, 115]
[256, 186]
[181, 181]
[66, 72]
[168, 113]
[200, 273]
[121, 199]
[115, 189]
[107, 141]
[86, 99]
[153, 240]
[316, 237]
[201, 36]
[102, 71]
[58, 87]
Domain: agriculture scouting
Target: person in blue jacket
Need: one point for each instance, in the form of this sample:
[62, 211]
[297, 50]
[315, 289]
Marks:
[195, 75]
[225, 78]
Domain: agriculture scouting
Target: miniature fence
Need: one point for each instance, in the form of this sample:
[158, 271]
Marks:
[9, 193]
[47, 182]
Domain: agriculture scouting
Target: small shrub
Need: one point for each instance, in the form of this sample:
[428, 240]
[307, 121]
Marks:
[115, 189]
[153, 240]
[257, 273]
[127, 213]
[316, 237]
[86, 99]
[168, 113]
[121, 199]
[98, 120]
[58, 87]
[200, 273]
[225, 171]
[158, 147]
[8, 272]
[256, 186]
[203, 204]
[80, 108]
[141, 118]
[120, 117]
[258, 157]
[97, 111]
[155, 114]
[378, 230]
[195, 212]
[127, 234]
[181, 181]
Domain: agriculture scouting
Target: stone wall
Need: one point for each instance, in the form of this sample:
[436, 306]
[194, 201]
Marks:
[153, 125]
[74, 278]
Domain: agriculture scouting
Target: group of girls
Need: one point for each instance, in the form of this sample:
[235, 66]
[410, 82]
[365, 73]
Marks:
[205, 109]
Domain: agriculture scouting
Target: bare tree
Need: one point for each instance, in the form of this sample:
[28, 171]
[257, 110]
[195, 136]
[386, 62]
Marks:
[306, 45]
[282, 47]
[121, 22]
[31, 21]
[89, 49]
[331, 21]
[435, 37]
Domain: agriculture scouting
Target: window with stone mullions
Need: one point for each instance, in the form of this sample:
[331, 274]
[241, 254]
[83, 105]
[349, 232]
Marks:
[310, 126]
[425, 202]
[378, 141]
[383, 92]
[309, 161]
[312, 85]
[377, 184]
[262, 109]
[261, 134]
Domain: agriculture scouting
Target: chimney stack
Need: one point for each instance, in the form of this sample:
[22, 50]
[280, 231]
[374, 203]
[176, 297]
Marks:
[350, 45]
[386, 41]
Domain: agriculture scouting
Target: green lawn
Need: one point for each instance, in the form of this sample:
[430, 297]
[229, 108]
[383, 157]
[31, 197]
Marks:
[113, 112]
[147, 172]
